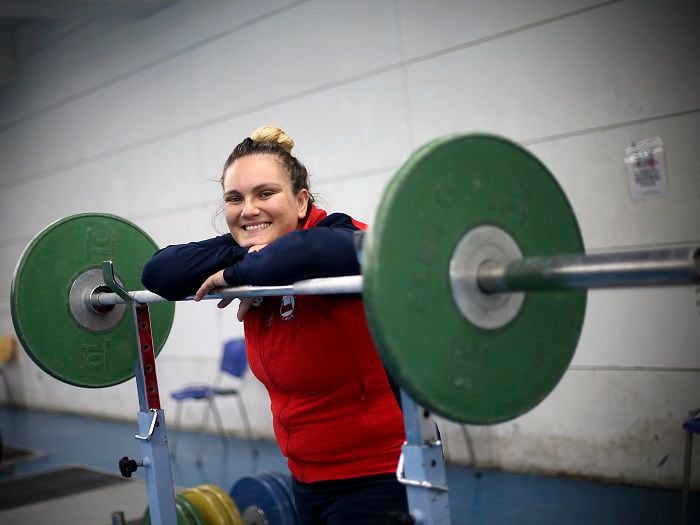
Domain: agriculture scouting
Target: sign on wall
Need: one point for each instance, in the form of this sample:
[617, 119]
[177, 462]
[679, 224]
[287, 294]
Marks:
[646, 168]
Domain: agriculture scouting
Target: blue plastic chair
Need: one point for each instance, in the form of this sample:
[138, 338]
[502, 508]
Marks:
[691, 426]
[233, 362]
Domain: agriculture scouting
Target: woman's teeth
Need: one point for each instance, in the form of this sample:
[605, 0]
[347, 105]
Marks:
[253, 227]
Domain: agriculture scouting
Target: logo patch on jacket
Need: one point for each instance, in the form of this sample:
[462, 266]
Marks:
[287, 307]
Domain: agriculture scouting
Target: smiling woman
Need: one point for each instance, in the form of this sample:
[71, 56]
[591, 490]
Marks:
[335, 411]
[266, 194]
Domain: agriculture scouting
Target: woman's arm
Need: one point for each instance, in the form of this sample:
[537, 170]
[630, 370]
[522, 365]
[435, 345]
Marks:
[177, 271]
[326, 250]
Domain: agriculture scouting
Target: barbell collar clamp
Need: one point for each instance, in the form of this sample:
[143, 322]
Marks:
[111, 282]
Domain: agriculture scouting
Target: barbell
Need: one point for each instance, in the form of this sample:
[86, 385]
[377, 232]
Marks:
[473, 278]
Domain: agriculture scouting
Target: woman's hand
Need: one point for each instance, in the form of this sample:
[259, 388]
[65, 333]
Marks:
[256, 248]
[212, 282]
[247, 303]
[217, 281]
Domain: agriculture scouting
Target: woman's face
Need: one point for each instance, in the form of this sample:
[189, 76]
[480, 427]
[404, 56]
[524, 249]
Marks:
[259, 203]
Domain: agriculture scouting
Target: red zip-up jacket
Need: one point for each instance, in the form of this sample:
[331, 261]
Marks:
[334, 413]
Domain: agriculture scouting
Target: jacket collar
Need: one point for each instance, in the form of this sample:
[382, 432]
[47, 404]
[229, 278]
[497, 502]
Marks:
[315, 216]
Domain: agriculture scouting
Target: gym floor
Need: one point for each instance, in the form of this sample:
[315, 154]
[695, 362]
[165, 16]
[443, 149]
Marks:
[487, 497]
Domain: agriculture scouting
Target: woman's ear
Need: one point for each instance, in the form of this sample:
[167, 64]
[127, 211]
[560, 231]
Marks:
[302, 203]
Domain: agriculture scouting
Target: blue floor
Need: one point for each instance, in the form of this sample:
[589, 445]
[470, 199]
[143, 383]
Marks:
[493, 497]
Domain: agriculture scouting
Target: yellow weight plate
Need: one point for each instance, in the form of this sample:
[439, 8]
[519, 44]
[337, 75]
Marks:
[225, 499]
[213, 512]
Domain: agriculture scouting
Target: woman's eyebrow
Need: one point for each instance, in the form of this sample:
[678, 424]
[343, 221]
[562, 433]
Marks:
[264, 185]
[267, 185]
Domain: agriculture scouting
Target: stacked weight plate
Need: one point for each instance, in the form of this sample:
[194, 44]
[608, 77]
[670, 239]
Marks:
[187, 514]
[204, 504]
[265, 499]
[214, 504]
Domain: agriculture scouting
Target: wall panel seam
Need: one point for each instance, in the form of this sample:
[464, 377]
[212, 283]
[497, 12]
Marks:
[389, 67]
[405, 88]
[144, 67]
[353, 175]
[67, 33]
[508, 32]
[607, 127]
[212, 203]
[188, 129]
[196, 127]
[616, 368]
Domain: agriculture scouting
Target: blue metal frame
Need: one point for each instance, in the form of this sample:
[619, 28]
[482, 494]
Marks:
[152, 431]
[151, 418]
[422, 466]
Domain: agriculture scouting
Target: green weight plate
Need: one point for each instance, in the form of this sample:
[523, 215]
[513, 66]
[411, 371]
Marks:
[191, 514]
[185, 512]
[446, 363]
[41, 290]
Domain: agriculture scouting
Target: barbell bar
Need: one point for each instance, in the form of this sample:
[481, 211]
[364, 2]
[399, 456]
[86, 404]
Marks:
[659, 267]
[349, 284]
[474, 309]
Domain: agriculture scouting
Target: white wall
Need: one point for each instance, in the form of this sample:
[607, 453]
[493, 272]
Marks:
[136, 118]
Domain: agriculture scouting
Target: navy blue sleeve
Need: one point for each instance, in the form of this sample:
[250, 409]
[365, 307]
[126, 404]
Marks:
[178, 271]
[326, 250]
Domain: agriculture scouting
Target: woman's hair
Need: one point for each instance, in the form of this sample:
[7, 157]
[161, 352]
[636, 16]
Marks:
[270, 140]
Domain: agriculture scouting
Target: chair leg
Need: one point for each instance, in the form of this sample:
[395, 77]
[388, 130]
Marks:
[687, 459]
[205, 424]
[7, 385]
[246, 423]
[217, 419]
[178, 412]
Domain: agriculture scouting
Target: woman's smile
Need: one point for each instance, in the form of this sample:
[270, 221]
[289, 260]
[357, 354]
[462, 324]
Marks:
[259, 203]
[256, 227]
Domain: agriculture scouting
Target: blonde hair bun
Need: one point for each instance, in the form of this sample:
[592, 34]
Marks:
[273, 134]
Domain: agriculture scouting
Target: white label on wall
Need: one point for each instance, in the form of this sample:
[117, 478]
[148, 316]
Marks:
[646, 168]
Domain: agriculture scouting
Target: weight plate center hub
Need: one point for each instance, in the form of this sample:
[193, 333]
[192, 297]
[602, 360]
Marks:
[478, 246]
[80, 301]
[254, 516]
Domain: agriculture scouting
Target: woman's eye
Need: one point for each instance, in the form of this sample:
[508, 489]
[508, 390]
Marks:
[234, 200]
[266, 194]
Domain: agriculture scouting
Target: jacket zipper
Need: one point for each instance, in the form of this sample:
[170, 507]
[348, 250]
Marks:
[263, 350]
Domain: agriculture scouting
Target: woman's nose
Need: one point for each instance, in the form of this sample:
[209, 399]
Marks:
[250, 209]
